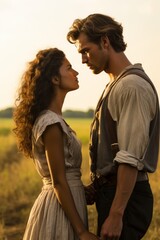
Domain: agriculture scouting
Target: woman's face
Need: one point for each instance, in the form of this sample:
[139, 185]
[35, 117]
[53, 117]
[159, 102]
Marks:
[68, 80]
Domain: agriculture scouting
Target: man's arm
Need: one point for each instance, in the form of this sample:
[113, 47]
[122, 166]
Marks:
[126, 179]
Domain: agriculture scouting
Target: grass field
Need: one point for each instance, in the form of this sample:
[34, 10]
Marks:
[20, 184]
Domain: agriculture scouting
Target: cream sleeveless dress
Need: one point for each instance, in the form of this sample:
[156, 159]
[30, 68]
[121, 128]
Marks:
[47, 220]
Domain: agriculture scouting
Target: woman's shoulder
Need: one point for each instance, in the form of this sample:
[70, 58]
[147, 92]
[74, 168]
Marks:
[46, 118]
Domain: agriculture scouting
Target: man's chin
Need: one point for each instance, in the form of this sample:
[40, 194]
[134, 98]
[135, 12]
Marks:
[96, 71]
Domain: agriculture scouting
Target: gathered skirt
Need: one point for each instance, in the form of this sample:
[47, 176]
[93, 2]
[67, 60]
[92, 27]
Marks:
[47, 220]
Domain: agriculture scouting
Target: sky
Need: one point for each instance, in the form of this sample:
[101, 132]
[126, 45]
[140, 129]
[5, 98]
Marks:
[27, 26]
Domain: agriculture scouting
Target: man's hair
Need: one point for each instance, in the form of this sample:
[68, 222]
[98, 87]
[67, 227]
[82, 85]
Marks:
[96, 26]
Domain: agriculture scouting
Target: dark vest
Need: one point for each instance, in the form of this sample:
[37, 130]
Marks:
[103, 136]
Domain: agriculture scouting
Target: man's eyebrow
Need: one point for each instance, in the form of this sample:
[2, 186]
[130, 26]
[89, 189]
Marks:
[83, 50]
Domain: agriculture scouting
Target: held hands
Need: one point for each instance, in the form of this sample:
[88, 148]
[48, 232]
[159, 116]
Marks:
[90, 193]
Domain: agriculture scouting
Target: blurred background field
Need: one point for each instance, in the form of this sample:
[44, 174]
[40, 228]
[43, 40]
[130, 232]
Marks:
[20, 184]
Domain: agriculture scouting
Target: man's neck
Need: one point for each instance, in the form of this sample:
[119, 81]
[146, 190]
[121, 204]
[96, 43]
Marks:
[118, 62]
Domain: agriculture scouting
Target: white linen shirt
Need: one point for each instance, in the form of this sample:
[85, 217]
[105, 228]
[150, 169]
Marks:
[132, 104]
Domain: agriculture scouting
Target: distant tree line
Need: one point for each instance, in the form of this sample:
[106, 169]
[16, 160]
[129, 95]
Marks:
[78, 114]
[8, 113]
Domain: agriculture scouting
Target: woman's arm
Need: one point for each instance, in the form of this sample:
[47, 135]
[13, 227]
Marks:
[53, 141]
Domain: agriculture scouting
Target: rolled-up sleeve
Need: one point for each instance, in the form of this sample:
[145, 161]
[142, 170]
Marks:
[132, 104]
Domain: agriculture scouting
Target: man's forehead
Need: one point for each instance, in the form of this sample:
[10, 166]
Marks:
[81, 42]
[79, 46]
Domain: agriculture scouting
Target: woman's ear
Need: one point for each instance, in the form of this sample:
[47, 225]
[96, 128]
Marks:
[55, 80]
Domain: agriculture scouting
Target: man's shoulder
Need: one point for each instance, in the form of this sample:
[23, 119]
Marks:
[132, 76]
[130, 86]
[133, 81]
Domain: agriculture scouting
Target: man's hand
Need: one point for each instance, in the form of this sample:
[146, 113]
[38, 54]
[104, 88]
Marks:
[112, 227]
[126, 179]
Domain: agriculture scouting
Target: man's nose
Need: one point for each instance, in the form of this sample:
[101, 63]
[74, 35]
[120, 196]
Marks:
[84, 58]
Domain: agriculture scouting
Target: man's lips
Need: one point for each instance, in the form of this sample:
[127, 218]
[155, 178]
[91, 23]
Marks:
[90, 66]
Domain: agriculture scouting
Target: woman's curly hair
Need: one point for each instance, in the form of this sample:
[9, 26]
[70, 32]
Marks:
[35, 94]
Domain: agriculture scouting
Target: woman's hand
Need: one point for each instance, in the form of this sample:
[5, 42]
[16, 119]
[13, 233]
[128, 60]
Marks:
[86, 235]
[90, 193]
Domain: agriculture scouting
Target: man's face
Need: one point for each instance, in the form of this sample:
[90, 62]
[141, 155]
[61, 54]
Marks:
[94, 55]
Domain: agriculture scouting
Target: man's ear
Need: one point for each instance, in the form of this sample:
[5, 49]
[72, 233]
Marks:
[55, 80]
[105, 41]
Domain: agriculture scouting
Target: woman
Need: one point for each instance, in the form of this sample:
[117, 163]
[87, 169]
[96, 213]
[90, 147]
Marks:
[60, 210]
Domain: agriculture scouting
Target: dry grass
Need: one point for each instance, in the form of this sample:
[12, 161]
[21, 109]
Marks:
[20, 185]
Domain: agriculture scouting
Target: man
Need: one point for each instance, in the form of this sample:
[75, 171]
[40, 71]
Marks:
[125, 131]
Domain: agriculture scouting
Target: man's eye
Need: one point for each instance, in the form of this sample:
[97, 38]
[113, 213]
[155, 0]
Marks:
[84, 52]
